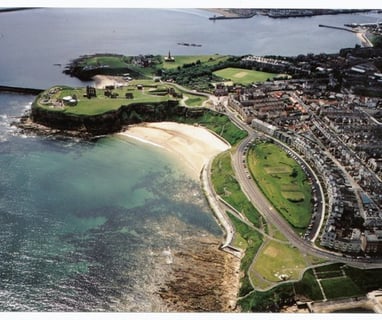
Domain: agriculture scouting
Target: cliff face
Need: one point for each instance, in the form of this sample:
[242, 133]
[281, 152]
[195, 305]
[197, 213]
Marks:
[113, 121]
[96, 125]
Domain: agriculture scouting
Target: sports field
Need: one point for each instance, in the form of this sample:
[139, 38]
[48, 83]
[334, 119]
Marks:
[244, 76]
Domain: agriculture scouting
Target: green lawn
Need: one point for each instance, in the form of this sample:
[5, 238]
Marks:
[221, 125]
[152, 93]
[246, 237]
[102, 104]
[226, 185]
[308, 286]
[181, 60]
[243, 76]
[194, 101]
[340, 288]
[277, 260]
[112, 61]
[283, 182]
[342, 281]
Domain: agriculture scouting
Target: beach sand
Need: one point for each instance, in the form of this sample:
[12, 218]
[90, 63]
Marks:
[200, 265]
[194, 145]
[361, 35]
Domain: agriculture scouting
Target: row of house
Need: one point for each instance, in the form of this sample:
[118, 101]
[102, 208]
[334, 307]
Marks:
[344, 230]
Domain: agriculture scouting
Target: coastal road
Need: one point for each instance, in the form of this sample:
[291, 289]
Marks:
[262, 204]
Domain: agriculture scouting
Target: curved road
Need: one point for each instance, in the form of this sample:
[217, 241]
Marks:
[263, 205]
[266, 209]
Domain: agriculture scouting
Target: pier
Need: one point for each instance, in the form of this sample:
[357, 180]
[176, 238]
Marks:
[23, 90]
[338, 28]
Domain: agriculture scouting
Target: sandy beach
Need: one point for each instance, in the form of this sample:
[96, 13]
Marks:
[222, 12]
[192, 144]
[361, 35]
[200, 265]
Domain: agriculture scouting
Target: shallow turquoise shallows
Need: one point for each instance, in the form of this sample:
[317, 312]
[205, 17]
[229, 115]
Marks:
[83, 224]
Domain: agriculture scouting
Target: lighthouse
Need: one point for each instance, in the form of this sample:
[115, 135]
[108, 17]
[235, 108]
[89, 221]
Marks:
[169, 58]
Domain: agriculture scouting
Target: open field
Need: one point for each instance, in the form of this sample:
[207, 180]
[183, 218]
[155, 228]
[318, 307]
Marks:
[283, 182]
[340, 287]
[120, 61]
[243, 76]
[194, 101]
[101, 103]
[278, 262]
[111, 61]
[205, 59]
[151, 92]
[341, 281]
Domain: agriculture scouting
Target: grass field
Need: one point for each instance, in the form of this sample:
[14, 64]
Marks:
[226, 185]
[101, 103]
[339, 288]
[181, 60]
[283, 182]
[152, 93]
[121, 62]
[243, 76]
[112, 61]
[341, 281]
[278, 262]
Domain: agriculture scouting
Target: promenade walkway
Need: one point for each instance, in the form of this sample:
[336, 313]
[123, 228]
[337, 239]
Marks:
[218, 210]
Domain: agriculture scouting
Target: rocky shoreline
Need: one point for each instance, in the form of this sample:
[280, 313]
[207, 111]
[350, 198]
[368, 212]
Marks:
[27, 126]
[202, 278]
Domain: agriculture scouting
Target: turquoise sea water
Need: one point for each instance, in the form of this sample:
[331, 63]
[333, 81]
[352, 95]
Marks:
[83, 224]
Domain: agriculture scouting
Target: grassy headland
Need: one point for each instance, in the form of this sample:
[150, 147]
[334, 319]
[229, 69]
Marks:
[135, 92]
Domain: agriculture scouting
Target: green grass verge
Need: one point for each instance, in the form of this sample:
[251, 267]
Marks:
[220, 124]
[243, 76]
[193, 100]
[283, 182]
[308, 287]
[226, 185]
[253, 241]
[269, 301]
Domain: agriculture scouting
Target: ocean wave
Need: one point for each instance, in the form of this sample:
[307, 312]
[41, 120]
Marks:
[28, 106]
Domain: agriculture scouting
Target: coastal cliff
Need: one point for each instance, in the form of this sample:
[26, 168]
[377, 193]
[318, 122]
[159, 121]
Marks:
[108, 122]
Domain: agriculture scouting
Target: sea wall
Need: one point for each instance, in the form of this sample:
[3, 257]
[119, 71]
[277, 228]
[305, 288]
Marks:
[113, 121]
